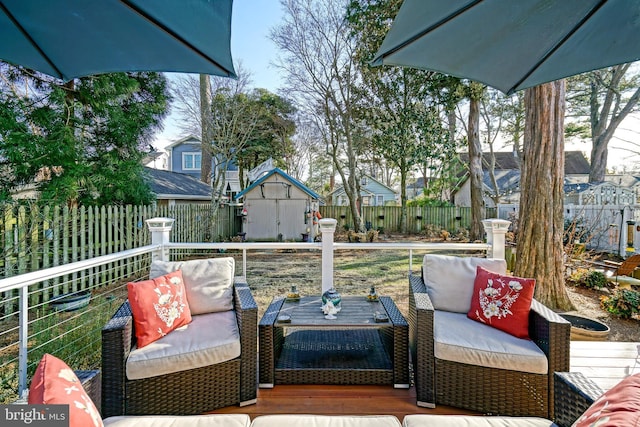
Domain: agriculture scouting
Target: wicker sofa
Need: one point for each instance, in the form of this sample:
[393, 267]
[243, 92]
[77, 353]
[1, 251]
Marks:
[185, 392]
[491, 390]
[574, 394]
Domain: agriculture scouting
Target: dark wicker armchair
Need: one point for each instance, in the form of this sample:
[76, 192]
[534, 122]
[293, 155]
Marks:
[487, 390]
[192, 391]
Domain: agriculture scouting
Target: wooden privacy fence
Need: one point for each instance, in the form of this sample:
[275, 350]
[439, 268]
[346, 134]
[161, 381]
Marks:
[34, 238]
[387, 218]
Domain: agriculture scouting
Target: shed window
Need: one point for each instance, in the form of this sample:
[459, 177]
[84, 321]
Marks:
[191, 161]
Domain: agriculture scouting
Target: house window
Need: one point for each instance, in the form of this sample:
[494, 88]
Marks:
[342, 201]
[366, 200]
[191, 161]
[379, 200]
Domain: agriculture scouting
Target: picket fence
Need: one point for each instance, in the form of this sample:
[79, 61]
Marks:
[419, 218]
[33, 238]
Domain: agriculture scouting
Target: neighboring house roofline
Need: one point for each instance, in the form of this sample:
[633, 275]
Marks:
[279, 171]
[340, 188]
[170, 196]
[174, 185]
[182, 141]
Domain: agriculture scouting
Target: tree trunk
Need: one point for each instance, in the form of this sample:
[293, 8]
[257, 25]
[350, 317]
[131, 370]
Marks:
[539, 249]
[475, 171]
[205, 120]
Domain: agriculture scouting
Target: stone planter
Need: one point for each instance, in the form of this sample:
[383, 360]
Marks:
[586, 329]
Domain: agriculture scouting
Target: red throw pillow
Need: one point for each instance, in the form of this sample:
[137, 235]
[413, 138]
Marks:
[502, 302]
[159, 306]
[619, 406]
[54, 383]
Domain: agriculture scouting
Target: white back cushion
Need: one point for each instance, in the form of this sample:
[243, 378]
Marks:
[449, 279]
[208, 282]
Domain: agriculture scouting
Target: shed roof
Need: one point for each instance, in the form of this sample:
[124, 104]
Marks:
[289, 178]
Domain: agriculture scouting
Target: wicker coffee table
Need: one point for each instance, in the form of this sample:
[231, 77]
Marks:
[355, 348]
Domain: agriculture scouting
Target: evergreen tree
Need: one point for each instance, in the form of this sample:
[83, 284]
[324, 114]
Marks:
[81, 142]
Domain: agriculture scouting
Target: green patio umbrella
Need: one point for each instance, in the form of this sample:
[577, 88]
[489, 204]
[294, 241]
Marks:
[513, 44]
[74, 38]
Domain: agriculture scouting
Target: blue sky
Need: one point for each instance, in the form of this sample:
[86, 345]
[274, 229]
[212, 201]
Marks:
[250, 26]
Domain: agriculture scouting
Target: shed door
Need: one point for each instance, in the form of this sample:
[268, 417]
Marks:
[262, 219]
[289, 217]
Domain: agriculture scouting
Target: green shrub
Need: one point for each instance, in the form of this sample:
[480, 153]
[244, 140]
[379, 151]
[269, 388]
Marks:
[588, 278]
[623, 303]
[595, 279]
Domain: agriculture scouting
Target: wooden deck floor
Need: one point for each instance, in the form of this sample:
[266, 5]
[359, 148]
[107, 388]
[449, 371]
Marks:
[337, 400]
[605, 362]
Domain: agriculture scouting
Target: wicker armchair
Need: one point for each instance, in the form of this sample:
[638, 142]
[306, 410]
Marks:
[187, 392]
[484, 389]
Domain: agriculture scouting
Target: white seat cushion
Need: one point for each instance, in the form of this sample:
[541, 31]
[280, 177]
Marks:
[449, 279]
[460, 339]
[325, 421]
[421, 420]
[218, 420]
[209, 339]
[208, 282]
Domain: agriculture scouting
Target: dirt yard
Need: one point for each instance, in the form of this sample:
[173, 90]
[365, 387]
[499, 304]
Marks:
[272, 273]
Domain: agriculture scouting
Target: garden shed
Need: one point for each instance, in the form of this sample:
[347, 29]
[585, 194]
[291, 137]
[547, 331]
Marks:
[278, 207]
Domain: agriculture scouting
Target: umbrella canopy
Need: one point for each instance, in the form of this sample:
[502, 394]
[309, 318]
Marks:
[512, 45]
[74, 38]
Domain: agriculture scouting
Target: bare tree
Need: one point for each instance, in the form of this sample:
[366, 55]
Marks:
[606, 97]
[229, 117]
[205, 120]
[186, 93]
[318, 59]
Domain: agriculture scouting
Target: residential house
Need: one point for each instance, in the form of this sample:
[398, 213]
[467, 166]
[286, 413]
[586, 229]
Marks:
[372, 191]
[185, 156]
[507, 177]
[157, 159]
[173, 188]
[278, 207]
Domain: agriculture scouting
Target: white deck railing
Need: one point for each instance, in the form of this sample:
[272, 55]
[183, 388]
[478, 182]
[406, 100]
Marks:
[161, 248]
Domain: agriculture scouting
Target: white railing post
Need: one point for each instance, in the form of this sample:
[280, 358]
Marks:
[327, 228]
[160, 229]
[23, 340]
[496, 230]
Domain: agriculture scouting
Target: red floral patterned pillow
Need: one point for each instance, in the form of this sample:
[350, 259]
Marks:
[54, 383]
[159, 306]
[620, 406]
[502, 302]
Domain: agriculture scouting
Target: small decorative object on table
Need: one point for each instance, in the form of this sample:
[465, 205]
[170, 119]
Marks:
[293, 295]
[333, 296]
[329, 311]
[380, 317]
[373, 295]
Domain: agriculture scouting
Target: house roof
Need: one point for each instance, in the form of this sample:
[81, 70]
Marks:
[574, 161]
[340, 188]
[507, 180]
[173, 185]
[192, 138]
[289, 178]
